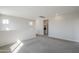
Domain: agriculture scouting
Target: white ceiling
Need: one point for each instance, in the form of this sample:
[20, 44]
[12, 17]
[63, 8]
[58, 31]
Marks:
[33, 12]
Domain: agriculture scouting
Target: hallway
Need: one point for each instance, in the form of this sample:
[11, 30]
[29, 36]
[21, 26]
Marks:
[43, 44]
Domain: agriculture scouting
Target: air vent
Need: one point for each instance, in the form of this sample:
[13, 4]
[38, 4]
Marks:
[41, 16]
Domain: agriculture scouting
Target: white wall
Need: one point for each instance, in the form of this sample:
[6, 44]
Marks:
[19, 29]
[76, 29]
[65, 27]
[39, 26]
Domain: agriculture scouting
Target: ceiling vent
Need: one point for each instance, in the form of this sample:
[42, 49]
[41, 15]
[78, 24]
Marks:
[42, 17]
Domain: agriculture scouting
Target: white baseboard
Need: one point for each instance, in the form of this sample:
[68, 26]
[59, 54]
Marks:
[63, 39]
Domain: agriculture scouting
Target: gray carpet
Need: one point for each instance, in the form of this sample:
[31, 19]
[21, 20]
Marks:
[43, 44]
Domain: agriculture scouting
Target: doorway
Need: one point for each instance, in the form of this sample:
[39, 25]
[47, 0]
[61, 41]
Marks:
[45, 22]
